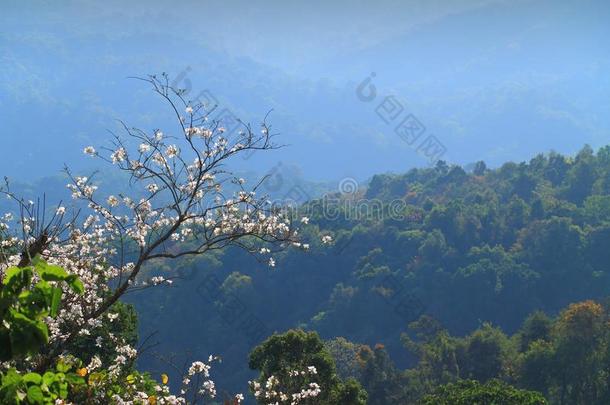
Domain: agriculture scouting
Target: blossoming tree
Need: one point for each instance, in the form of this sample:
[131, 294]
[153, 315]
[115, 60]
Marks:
[187, 204]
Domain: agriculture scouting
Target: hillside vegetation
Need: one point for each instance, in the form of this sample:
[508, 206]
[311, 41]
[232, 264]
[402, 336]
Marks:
[481, 254]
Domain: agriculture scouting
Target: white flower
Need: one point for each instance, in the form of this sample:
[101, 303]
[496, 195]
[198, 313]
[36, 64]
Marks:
[118, 155]
[326, 239]
[152, 188]
[305, 220]
[144, 147]
[189, 110]
[113, 201]
[172, 151]
[94, 364]
[60, 211]
[158, 135]
[160, 280]
[89, 150]
[271, 262]
[158, 159]
[199, 367]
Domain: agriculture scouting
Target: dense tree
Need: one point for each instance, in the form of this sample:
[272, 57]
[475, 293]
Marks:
[536, 326]
[297, 351]
[469, 392]
[383, 382]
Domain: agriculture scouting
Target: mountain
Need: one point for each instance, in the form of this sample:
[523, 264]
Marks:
[490, 81]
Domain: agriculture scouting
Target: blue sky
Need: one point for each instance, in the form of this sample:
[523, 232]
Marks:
[490, 80]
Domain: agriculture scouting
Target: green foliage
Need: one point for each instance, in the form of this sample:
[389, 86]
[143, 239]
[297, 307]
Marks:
[494, 392]
[34, 388]
[24, 305]
[566, 358]
[347, 356]
[383, 382]
[487, 352]
[536, 327]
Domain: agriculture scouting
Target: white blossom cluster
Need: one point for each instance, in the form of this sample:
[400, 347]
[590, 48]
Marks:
[296, 388]
[196, 385]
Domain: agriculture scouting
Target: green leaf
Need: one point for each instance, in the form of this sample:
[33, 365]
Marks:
[27, 335]
[10, 273]
[48, 378]
[52, 273]
[24, 295]
[38, 261]
[63, 390]
[17, 277]
[12, 377]
[75, 283]
[63, 367]
[55, 301]
[75, 379]
[35, 395]
[33, 378]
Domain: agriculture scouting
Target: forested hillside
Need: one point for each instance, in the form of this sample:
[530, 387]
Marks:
[397, 202]
[441, 274]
